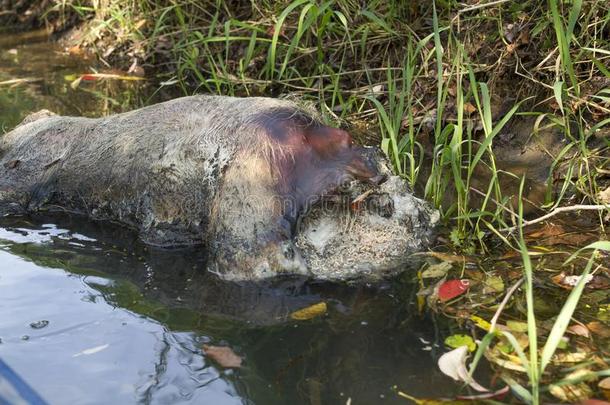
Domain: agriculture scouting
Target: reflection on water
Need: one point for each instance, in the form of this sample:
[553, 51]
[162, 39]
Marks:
[37, 74]
[126, 325]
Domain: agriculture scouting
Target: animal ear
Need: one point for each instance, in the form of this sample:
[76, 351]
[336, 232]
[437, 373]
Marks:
[326, 141]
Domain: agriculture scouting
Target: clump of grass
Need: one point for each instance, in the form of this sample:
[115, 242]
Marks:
[537, 361]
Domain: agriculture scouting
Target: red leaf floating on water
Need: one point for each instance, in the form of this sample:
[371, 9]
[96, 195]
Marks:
[452, 288]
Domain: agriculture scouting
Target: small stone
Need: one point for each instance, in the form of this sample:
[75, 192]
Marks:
[39, 324]
[25, 337]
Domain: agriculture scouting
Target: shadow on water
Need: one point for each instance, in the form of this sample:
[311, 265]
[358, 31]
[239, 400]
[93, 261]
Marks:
[125, 319]
[126, 324]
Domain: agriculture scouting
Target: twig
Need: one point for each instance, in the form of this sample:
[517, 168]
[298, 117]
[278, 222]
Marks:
[509, 294]
[19, 81]
[483, 5]
[479, 192]
[559, 210]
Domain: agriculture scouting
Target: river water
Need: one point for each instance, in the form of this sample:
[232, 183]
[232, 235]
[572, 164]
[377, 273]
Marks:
[88, 315]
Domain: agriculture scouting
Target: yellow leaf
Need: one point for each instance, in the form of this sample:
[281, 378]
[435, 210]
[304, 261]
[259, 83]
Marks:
[309, 312]
[480, 322]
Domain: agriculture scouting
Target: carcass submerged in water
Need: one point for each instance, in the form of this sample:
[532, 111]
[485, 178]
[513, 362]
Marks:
[251, 179]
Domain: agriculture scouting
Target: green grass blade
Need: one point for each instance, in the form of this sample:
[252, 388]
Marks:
[563, 320]
[557, 91]
[276, 34]
[599, 245]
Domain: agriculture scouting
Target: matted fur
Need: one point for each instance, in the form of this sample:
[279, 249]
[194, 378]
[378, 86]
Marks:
[233, 174]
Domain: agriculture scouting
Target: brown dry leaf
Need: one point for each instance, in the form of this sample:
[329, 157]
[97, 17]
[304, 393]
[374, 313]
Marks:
[570, 239]
[554, 234]
[469, 109]
[573, 392]
[75, 50]
[599, 329]
[580, 330]
[223, 355]
[596, 282]
[309, 312]
[548, 229]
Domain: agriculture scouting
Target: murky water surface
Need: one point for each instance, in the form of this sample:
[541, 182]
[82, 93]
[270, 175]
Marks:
[126, 324]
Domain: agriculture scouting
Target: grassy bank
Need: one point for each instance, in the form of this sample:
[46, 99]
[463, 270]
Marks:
[434, 86]
[442, 88]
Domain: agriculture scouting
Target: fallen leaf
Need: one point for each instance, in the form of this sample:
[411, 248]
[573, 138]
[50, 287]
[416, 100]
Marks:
[548, 229]
[223, 355]
[598, 328]
[469, 108]
[309, 312]
[453, 364]
[458, 340]
[75, 50]
[593, 282]
[480, 322]
[493, 284]
[436, 270]
[452, 288]
[507, 364]
[578, 329]
[516, 326]
[570, 239]
[575, 357]
[551, 234]
[573, 392]
[503, 358]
